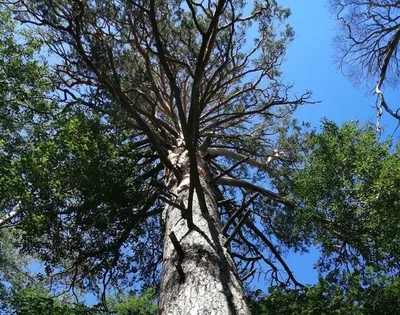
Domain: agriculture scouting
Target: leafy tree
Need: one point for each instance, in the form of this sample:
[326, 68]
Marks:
[348, 189]
[62, 168]
[11, 266]
[43, 149]
[24, 81]
[23, 85]
[165, 144]
[128, 304]
[36, 300]
[348, 197]
[368, 42]
[346, 297]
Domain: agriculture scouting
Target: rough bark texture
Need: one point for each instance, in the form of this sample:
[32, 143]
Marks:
[202, 280]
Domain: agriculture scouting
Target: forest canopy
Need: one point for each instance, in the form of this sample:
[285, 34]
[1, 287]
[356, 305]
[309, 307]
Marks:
[150, 157]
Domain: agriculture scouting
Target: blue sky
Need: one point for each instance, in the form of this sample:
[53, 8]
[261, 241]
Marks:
[310, 65]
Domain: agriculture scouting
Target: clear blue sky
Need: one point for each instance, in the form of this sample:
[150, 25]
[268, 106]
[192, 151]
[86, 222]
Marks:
[310, 65]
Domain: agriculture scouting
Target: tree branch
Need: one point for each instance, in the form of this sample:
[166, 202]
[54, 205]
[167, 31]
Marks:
[202, 60]
[237, 228]
[391, 48]
[9, 216]
[171, 78]
[250, 186]
[237, 212]
[242, 158]
[274, 251]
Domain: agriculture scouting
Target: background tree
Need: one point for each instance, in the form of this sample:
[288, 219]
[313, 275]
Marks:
[169, 113]
[367, 44]
[347, 296]
[39, 150]
[350, 200]
[347, 192]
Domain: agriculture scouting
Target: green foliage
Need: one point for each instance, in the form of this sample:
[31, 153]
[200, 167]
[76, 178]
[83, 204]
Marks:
[24, 82]
[349, 194]
[77, 168]
[347, 190]
[129, 304]
[11, 265]
[37, 301]
[346, 297]
[74, 175]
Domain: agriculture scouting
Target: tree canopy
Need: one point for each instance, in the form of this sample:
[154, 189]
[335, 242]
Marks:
[129, 90]
[348, 189]
[147, 109]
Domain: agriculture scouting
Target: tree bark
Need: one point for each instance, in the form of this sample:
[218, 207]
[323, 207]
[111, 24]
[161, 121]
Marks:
[199, 276]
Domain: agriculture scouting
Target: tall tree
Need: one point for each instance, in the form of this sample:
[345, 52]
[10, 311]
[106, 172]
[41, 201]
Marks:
[368, 45]
[186, 90]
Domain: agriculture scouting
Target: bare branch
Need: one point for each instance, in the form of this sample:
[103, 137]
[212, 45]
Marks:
[246, 185]
[229, 170]
[371, 30]
[274, 251]
[11, 215]
[240, 157]
[237, 228]
[391, 47]
[251, 273]
[238, 212]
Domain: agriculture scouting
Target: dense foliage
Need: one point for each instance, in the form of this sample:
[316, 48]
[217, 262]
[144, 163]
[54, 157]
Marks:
[348, 297]
[347, 189]
[349, 196]
[82, 187]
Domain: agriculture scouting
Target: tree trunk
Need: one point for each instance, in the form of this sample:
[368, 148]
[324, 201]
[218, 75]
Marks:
[199, 276]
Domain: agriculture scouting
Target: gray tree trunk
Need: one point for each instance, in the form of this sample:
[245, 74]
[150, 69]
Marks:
[203, 280]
